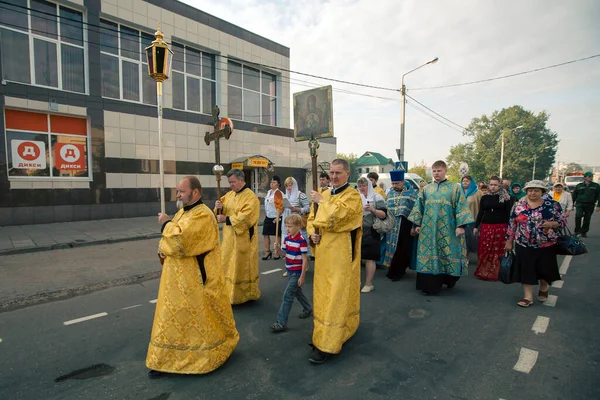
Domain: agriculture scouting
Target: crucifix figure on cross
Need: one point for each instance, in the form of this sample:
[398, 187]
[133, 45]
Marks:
[223, 129]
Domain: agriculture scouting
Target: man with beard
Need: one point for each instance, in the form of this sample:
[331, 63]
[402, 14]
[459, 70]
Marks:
[400, 245]
[336, 233]
[194, 330]
[240, 212]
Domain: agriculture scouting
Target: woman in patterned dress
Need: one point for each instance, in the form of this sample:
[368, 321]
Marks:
[534, 227]
[491, 223]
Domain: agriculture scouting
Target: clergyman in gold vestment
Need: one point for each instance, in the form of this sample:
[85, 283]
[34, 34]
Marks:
[194, 331]
[240, 212]
[336, 291]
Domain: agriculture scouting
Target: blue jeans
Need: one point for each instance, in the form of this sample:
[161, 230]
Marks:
[292, 290]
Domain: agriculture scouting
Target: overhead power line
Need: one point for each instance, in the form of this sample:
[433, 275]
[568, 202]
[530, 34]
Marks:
[436, 113]
[410, 103]
[510, 75]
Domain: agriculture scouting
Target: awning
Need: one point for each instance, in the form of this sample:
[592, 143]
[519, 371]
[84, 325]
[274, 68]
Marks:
[256, 161]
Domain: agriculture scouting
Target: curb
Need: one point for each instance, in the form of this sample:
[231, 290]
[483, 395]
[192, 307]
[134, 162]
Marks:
[63, 294]
[70, 245]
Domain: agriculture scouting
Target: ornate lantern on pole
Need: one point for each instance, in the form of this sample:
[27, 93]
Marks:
[159, 58]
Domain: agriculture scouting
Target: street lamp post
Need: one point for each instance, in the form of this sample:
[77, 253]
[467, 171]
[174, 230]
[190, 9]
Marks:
[535, 160]
[502, 148]
[400, 151]
[159, 58]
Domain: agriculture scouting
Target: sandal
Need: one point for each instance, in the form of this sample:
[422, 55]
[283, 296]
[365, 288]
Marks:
[277, 327]
[542, 296]
[524, 303]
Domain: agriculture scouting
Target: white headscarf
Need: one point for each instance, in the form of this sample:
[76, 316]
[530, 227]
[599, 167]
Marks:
[371, 196]
[294, 194]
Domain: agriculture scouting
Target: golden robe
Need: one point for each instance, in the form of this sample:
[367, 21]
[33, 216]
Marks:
[336, 291]
[379, 191]
[193, 331]
[240, 245]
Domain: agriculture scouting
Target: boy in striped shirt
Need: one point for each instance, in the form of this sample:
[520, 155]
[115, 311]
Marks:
[296, 263]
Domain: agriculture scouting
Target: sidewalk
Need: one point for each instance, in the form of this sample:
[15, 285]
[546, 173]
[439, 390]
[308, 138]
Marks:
[64, 235]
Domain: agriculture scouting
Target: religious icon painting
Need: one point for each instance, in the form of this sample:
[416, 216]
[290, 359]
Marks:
[313, 114]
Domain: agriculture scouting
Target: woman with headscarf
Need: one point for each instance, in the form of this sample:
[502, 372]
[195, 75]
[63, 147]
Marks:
[298, 204]
[491, 224]
[563, 198]
[473, 196]
[535, 224]
[516, 192]
[373, 207]
[270, 225]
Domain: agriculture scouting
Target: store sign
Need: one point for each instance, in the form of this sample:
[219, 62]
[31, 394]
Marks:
[237, 165]
[258, 162]
[28, 154]
[69, 156]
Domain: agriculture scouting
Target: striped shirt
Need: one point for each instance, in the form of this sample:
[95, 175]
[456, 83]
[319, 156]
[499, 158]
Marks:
[294, 248]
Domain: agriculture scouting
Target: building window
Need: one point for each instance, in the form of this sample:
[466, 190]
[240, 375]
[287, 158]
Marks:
[123, 64]
[43, 46]
[251, 94]
[46, 145]
[194, 85]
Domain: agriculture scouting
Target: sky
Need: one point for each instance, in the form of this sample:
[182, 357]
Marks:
[375, 42]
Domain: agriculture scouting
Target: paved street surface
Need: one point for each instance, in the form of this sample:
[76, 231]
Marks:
[463, 344]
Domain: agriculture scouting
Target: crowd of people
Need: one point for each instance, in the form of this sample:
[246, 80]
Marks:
[337, 228]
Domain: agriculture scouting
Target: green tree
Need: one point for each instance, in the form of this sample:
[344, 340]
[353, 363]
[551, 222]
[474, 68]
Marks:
[351, 158]
[420, 169]
[482, 152]
[573, 167]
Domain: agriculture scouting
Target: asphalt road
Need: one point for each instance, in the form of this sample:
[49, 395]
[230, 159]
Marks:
[462, 344]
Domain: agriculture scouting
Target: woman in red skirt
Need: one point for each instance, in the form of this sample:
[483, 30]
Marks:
[491, 225]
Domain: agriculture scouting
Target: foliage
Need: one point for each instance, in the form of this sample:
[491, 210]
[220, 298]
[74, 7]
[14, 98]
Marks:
[420, 169]
[482, 153]
[573, 167]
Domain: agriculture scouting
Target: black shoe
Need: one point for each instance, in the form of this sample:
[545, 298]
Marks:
[318, 356]
[267, 256]
[152, 374]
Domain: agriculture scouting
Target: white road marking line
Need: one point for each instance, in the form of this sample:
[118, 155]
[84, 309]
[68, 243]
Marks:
[540, 325]
[271, 271]
[551, 302]
[82, 319]
[558, 284]
[130, 307]
[153, 301]
[527, 359]
[564, 266]
[0, 340]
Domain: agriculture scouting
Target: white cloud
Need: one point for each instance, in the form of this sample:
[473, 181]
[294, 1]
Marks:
[376, 42]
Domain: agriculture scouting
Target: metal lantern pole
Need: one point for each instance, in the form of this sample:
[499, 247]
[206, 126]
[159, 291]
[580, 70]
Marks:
[159, 99]
[159, 58]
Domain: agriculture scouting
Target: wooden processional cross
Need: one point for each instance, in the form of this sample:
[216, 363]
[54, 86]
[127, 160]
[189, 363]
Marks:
[222, 130]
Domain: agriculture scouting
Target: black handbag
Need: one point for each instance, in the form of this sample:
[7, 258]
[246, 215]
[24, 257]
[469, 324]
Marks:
[508, 266]
[569, 244]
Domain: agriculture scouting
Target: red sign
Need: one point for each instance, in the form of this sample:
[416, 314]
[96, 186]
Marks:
[225, 121]
[28, 154]
[70, 156]
[28, 151]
